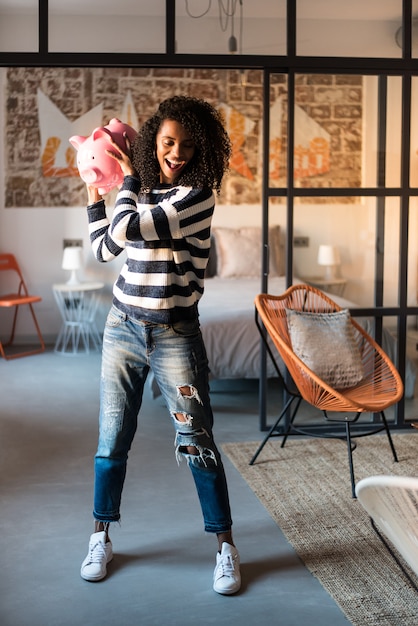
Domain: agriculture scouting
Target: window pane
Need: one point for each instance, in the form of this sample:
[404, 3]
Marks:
[278, 131]
[390, 221]
[389, 90]
[411, 368]
[341, 28]
[393, 132]
[328, 222]
[254, 28]
[356, 230]
[414, 132]
[96, 26]
[414, 30]
[411, 361]
[328, 131]
[413, 253]
[277, 236]
[18, 26]
[240, 95]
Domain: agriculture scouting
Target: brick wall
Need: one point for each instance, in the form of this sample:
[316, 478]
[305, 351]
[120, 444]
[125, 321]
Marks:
[335, 102]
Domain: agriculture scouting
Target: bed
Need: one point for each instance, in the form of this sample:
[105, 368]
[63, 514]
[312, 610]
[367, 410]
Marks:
[227, 306]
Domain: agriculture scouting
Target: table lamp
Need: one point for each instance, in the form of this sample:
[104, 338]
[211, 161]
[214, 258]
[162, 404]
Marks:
[72, 260]
[329, 258]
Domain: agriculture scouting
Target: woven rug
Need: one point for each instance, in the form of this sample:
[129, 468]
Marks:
[306, 488]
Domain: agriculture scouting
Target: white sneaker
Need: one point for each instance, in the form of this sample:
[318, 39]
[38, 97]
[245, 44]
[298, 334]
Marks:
[227, 577]
[99, 555]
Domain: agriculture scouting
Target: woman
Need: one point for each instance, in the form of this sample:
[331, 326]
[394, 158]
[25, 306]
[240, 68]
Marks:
[162, 219]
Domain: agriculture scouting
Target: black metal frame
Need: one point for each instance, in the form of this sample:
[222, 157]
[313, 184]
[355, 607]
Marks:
[290, 64]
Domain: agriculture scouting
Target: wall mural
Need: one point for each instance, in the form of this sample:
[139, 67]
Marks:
[45, 106]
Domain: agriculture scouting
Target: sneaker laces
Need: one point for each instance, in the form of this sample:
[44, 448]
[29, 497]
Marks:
[97, 552]
[226, 565]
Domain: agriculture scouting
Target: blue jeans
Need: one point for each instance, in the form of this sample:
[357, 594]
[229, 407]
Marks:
[177, 357]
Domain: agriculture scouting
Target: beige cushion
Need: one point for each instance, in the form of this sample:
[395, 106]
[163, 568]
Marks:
[238, 251]
[325, 342]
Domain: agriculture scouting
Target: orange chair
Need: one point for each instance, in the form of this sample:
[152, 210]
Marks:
[376, 388]
[20, 297]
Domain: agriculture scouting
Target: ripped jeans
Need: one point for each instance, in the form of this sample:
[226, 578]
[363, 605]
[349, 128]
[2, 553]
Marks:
[177, 357]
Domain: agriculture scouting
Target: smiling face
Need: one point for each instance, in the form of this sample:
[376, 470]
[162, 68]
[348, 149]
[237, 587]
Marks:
[174, 149]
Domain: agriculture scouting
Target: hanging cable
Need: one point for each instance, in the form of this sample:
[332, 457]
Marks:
[226, 12]
[197, 16]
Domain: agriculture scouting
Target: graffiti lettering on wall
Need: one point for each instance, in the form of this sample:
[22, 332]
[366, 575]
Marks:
[312, 143]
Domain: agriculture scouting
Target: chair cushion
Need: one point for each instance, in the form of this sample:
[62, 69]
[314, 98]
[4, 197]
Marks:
[325, 342]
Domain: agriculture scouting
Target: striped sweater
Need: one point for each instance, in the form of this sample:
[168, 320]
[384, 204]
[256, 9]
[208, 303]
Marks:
[166, 235]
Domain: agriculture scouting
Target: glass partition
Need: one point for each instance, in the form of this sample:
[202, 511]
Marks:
[414, 132]
[278, 229]
[328, 130]
[354, 29]
[411, 368]
[328, 136]
[19, 26]
[349, 249]
[333, 247]
[278, 130]
[413, 252]
[96, 26]
[414, 30]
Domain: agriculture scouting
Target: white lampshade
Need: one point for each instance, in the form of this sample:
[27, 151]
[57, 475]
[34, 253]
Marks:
[329, 257]
[72, 260]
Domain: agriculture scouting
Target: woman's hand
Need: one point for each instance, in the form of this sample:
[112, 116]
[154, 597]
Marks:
[123, 158]
[93, 195]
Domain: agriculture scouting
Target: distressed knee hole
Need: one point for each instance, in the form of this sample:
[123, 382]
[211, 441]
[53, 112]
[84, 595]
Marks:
[188, 450]
[185, 418]
[197, 455]
[189, 392]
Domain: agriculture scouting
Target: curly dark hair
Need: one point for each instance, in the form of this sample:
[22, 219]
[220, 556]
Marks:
[212, 144]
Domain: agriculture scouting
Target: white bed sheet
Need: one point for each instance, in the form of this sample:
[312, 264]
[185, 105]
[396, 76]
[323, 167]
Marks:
[227, 321]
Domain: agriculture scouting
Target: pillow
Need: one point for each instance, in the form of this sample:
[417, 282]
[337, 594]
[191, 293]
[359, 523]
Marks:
[325, 342]
[238, 251]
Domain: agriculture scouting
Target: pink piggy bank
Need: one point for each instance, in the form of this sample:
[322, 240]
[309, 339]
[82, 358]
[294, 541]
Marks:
[96, 167]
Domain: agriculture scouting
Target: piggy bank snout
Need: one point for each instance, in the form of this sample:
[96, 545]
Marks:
[89, 175]
[95, 167]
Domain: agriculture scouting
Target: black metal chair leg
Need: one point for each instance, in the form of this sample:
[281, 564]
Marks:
[350, 459]
[273, 428]
[292, 419]
[395, 456]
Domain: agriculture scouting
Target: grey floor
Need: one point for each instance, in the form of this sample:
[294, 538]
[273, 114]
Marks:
[162, 570]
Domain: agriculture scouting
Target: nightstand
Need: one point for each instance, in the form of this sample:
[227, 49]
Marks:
[335, 286]
[78, 305]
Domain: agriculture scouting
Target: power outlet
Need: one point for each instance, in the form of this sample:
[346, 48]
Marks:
[301, 242]
[72, 243]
